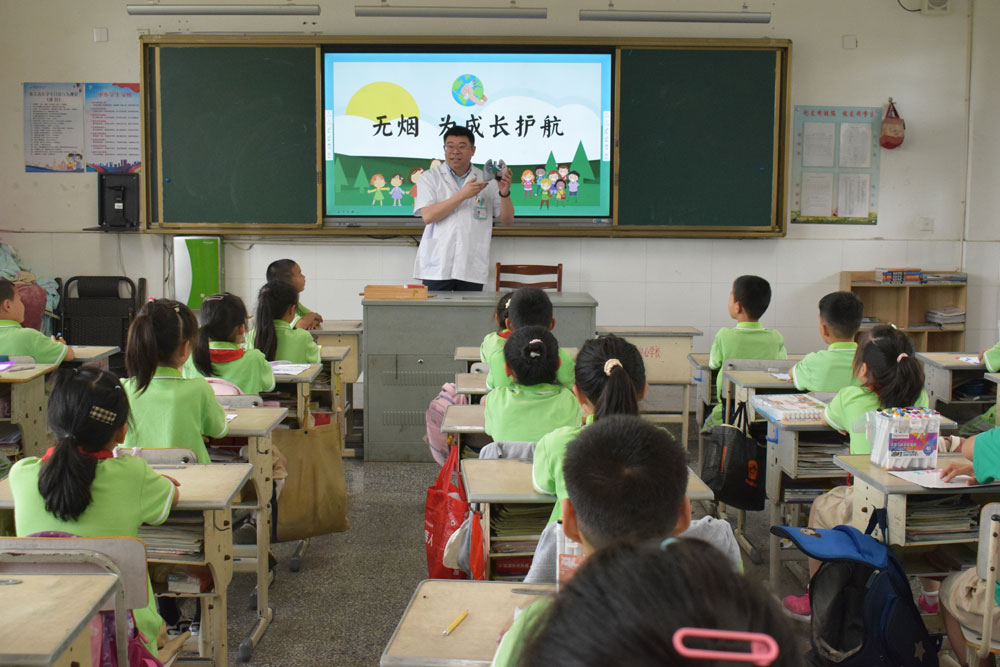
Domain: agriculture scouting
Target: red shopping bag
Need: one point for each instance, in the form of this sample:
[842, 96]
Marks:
[444, 511]
[477, 559]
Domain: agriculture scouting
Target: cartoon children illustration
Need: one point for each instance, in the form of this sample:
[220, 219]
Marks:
[414, 177]
[560, 191]
[563, 171]
[546, 193]
[539, 175]
[378, 180]
[574, 183]
[527, 180]
[553, 177]
[396, 192]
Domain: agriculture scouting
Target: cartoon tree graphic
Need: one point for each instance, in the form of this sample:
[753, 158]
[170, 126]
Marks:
[361, 182]
[339, 177]
[551, 164]
[581, 164]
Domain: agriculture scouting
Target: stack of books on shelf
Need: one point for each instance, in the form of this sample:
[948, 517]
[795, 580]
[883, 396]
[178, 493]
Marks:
[901, 276]
[182, 535]
[818, 458]
[945, 518]
[948, 317]
[519, 519]
[933, 277]
[806, 495]
[515, 531]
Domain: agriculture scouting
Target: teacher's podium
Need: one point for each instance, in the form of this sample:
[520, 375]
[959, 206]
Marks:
[410, 352]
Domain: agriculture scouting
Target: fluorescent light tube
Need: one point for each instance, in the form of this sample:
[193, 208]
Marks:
[397, 11]
[156, 9]
[674, 17]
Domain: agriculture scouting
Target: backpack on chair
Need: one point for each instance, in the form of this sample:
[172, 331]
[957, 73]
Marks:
[863, 614]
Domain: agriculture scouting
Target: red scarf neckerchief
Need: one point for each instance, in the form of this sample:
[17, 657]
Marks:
[225, 355]
[505, 334]
[101, 454]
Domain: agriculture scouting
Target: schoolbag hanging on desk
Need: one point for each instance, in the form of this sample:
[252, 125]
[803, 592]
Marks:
[735, 464]
[893, 128]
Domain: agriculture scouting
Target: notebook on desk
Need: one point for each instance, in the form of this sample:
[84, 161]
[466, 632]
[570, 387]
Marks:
[789, 407]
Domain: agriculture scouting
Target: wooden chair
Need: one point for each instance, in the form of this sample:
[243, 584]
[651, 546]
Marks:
[987, 561]
[530, 270]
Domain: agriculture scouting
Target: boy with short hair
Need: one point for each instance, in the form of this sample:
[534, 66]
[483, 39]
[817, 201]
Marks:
[748, 301]
[626, 480]
[16, 341]
[832, 369]
[529, 307]
[288, 271]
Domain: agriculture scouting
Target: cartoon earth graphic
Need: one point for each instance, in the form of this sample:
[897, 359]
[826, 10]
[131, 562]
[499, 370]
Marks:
[465, 84]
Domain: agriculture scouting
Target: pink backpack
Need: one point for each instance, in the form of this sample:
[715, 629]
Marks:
[439, 442]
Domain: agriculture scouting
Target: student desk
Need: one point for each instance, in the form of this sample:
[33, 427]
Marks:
[346, 333]
[664, 350]
[471, 384]
[303, 382]
[740, 386]
[417, 639]
[336, 355]
[27, 404]
[467, 353]
[256, 424]
[876, 487]
[209, 489]
[93, 355]
[464, 419]
[944, 371]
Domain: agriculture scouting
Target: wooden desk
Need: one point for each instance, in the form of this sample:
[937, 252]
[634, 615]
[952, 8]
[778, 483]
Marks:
[345, 333]
[944, 371]
[302, 382]
[417, 639]
[467, 353]
[464, 419]
[471, 384]
[64, 603]
[335, 355]
[742, 385]
[92, 355]
[27, 405]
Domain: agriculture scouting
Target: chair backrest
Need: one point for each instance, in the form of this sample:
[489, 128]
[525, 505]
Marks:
[509, 449]
[530, 270]
[74, 555]
[986, 525]
[224, 387]
[97, 310]
[167, 455]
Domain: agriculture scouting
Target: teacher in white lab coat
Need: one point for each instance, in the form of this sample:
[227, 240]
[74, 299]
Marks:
[458, 206]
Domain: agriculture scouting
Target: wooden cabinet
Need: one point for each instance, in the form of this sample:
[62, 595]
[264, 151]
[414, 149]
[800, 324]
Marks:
[906, 306]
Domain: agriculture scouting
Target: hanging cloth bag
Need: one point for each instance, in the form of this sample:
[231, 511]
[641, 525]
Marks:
[893, 128]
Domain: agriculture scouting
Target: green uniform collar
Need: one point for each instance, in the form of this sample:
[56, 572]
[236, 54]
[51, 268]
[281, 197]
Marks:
[283, 324]
[843, 346]
[223, 345]
[749, 325]
[10, 323]
[167, 372]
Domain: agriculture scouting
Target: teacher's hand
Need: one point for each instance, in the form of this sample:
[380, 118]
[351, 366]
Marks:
[472, 187]
[504, 184]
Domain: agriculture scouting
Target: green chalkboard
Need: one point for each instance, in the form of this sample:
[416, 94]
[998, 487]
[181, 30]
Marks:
[237, 133]
[698, 140]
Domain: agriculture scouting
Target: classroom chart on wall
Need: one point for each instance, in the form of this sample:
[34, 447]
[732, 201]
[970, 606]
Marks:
[546, 115]
[835, 165]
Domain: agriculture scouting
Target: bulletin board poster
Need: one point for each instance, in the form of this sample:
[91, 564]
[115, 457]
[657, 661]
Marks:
[53, 127]
[547, 116]
[835, 165]
[112, 128]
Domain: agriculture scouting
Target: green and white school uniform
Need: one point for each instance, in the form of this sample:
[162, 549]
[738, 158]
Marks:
[513, 641]
[125, 494]
[747, 340]
[992, 358]
[526, 413]
[174, 412]
[565, 374]
[295, 345]
[850, 405]
[247, 369]
[827, 370]
[492, 343]
[16, 341]
[547, 466]
[300, 312]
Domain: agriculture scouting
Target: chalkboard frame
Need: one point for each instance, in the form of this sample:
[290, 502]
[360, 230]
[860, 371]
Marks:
[149, 44]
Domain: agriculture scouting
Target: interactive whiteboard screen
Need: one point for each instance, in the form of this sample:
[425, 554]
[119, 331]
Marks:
[547, 115]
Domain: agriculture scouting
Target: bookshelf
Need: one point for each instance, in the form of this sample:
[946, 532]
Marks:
[906, 306]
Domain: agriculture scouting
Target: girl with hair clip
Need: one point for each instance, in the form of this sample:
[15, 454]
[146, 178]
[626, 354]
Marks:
[274, 335]
[610, 380]
[494, 341]
[640, 604]
[78, 487]
[886, 364]
[219, 351]
[170, 410]
[534, 405]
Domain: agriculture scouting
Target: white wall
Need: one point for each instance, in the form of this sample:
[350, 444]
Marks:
[921, 62]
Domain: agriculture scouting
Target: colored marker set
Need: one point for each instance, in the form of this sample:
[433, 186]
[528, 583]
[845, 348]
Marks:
[904, 438]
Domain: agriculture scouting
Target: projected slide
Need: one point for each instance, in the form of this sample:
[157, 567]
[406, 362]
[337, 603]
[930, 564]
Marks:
[546, 115]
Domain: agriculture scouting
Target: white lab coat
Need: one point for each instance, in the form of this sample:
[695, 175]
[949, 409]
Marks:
[456, 247]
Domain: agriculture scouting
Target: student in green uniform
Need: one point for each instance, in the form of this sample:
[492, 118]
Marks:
[610, 380]
[494, 341]
[991, 357]
[16, 341]
[533, 405]
[274, 335]
[626, 603]
[529, 307]
[78, 487]
[832, 369]
[748, 301]
[893, 378]
[219, 352]
[288, 271]
[169, 409]
[963, 595]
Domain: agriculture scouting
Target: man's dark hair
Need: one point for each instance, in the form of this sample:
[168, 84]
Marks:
[530, 307]
[626, 478]
[459, 131]
[842, 312]
[753, 293]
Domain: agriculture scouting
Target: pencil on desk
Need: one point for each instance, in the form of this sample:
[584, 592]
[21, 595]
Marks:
[454, 624]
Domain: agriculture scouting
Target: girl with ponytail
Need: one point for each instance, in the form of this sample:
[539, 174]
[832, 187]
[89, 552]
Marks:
[78, 487]
[170, 410]
[219, 351]
[274, 335]
[534, 404]
[610, 380]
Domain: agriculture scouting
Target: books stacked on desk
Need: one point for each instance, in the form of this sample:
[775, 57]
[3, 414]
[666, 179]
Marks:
[182, 535]
[901, 276]
[947, 317]
[937, 277]
[943, 518]
[789, 407]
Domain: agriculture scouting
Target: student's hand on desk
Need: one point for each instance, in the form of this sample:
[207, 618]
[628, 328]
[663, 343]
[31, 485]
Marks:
[952, 470]
[59, 339]
[309, 321]
[176, 483]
